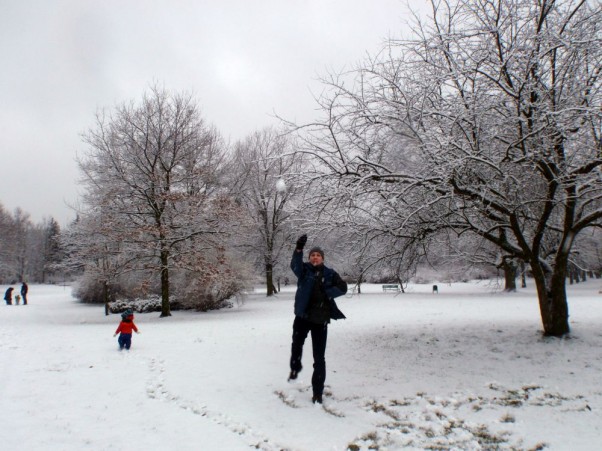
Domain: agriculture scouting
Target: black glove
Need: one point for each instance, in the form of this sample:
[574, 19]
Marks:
[301, 242]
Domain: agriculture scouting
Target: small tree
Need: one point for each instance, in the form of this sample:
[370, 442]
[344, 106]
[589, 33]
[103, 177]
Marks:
[97, 256]
[53, 254]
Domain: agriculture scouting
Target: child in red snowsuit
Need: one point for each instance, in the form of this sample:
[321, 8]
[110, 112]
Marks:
[125, 328]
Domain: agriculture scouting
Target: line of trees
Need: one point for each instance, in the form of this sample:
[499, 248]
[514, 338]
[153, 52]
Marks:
[29, 252]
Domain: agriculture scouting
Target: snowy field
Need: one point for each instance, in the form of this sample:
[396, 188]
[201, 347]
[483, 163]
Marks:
[465, 369]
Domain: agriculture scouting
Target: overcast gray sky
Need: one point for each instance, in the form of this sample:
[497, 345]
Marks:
[62, 60]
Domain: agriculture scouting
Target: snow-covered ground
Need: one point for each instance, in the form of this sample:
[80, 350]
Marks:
[465, 369]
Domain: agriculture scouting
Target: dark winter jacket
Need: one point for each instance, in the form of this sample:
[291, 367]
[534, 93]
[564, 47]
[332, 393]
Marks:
[8, 295]
[332, 284]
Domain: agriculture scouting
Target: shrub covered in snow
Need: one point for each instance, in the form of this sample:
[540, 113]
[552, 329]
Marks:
[151, 304]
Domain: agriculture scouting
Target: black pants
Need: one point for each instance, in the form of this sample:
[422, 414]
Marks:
[319, 333]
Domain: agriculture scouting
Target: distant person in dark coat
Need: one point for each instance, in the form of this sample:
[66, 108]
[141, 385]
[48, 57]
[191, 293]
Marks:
[317, 286]
[24, 289]
[8, 296]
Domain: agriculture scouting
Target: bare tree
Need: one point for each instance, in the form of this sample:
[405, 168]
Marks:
[487, 122]
[262, 165]
[152, 174]
[19, 245]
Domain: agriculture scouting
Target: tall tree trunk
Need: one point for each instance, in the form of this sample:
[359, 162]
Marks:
[105, 294]
[165, 307]
[510, 270]
[553, 306]
[558, 306]
[523, 275]
[269, 279]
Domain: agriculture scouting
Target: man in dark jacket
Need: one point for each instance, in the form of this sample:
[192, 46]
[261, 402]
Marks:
[8, 296]
[24, 289]
[317, 286]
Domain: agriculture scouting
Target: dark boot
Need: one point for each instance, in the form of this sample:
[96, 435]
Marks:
[293, 374]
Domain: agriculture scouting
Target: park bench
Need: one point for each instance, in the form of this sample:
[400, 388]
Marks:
[391, 287]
